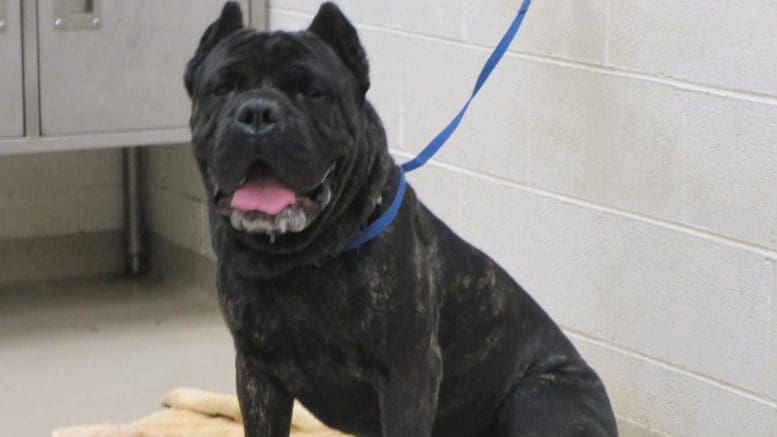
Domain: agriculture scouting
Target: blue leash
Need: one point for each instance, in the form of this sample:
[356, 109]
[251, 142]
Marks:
[426, 154]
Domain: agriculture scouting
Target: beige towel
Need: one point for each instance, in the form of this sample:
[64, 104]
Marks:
[196, 413]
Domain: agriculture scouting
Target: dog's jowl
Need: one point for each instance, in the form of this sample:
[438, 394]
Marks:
[415, 333]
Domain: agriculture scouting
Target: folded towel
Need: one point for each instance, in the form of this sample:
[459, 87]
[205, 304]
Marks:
[196, 413]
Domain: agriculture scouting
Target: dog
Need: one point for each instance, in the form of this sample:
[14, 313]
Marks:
[415, 333]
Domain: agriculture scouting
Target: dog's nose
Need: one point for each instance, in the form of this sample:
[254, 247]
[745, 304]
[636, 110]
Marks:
[258, 116]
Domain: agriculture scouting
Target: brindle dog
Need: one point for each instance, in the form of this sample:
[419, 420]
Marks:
[415, 333]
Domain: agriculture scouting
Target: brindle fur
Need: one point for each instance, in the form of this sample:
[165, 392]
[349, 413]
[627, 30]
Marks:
[415, 333]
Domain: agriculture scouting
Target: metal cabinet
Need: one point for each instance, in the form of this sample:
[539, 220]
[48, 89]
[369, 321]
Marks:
[80, 74]
[11, 94]
[121, 67]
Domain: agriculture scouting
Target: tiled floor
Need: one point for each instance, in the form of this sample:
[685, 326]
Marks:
[94, 351]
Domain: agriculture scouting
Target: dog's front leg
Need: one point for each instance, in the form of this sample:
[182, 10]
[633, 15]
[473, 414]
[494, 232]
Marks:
[408, 400]
[265, 404]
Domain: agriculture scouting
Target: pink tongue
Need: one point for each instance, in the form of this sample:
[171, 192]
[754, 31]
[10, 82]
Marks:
[266, 195]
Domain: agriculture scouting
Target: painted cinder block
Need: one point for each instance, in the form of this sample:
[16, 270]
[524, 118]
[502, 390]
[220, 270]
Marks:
[383, 51]
[440, 190]
[436, 80]
[494, 136]
[609, 139]
[152, 166]
[100, 208]
[673, 402]
[690, 301]
[180, 172]
[770, 378]
[697, 303]
[176, 217]
[568, 29]
[731, 168]
[289, 21]
[43, 172]
[206, 249]
[306, 6]
[50, 194]
[37, 173]
[98, 167]
[40, 214]
[729, 43]
[442, 18]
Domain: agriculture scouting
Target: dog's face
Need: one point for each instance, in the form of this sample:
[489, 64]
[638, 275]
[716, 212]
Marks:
[280, 128]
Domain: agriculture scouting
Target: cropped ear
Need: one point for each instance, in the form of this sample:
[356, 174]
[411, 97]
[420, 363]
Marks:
[230, 21]
[331, 26]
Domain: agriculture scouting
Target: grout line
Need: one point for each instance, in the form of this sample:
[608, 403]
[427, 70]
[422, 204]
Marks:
[668, 81]
[653, 431]
[675, 368]
[607, 32]
[463, 21]
[683, 228]
[401, 119]
[178, 192]
[531, 130]
[562, 62]
[686, 139]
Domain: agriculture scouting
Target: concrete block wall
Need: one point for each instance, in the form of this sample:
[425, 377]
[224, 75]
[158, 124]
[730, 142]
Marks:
[621, 164]
[175, 199]
[51, 194]
[60, 215]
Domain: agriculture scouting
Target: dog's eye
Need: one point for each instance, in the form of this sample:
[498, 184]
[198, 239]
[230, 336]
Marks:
[314, 92]
[223, 89]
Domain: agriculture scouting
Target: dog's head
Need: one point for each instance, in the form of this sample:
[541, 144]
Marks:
[285, 140]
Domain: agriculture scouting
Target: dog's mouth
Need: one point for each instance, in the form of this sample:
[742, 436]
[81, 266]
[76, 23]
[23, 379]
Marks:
[261, 204]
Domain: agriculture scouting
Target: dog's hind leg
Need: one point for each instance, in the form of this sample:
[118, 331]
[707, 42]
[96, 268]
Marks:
[564, 400]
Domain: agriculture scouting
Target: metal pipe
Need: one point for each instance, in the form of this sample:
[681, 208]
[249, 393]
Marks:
[135, 248]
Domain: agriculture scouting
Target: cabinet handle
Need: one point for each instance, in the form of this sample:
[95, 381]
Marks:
[3, 15]
[77, 15]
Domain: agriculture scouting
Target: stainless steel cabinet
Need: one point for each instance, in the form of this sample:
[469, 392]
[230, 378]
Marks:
[122, 70]
[11, 94]
[79, 74]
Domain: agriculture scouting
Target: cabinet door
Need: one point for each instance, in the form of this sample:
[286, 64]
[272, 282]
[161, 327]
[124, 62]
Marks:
[11, 94]
[124, 71]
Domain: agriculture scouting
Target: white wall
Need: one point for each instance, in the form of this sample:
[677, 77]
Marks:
[60, 215]
[175, 197]
[51, 194]
[620, 164]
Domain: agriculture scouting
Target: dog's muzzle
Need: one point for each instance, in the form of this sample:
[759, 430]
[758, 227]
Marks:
[261, 204]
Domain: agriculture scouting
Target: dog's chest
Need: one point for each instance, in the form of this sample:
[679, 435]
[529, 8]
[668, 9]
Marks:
[320, 342]
[313, 333]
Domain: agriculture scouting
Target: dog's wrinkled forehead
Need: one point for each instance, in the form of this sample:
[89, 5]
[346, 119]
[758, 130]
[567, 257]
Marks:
[330, 44]
[256, 59]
